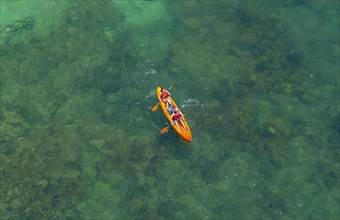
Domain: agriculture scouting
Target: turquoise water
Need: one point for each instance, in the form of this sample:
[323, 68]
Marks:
[79, 140]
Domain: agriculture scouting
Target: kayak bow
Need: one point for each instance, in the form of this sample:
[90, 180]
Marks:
[182, 129]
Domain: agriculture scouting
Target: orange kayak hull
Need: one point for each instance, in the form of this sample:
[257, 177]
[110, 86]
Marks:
[183, 129]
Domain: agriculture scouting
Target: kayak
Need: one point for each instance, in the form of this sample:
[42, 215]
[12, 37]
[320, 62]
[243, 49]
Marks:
[182, 129]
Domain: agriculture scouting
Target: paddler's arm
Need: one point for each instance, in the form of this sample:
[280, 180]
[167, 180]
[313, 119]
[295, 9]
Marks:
[172, 121]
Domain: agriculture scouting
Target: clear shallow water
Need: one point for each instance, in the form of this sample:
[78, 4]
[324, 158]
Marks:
[79, 140]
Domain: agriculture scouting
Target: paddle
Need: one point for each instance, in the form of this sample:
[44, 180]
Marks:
[156, 106]
[165, 129]
[187, 113]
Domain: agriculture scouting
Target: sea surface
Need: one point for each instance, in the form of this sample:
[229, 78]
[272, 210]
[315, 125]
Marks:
[257, 80]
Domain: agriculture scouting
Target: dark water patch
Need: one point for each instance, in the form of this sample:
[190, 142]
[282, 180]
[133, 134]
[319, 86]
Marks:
[220, 92]
[335, 124]
[273, 203]
[207, 170]
[295, 59]
[299, 2]
[331, 179]
[167, 209]
[267, 171]
[92, 17]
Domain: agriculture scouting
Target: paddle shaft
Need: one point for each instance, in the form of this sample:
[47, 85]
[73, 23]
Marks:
[172, 85]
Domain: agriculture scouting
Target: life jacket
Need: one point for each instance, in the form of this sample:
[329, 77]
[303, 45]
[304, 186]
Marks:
[164, 94]
[176, 116]
[171, 109]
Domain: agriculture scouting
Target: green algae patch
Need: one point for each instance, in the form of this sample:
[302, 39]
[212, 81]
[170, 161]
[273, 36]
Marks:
[12, 126]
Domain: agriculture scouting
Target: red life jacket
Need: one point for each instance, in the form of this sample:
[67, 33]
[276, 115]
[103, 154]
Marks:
[176, 116]
[164, 94]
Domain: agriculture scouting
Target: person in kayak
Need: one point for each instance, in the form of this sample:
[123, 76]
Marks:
[170, 107]
[165, 94]
[176, 117]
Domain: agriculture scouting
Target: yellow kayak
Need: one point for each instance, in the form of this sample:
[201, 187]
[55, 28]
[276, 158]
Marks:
[182, 129]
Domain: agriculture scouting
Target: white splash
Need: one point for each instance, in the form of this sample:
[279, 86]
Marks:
[152, 93]
[151, 71]
[190, 103]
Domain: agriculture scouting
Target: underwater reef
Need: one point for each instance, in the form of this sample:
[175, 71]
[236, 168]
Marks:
[79, 141]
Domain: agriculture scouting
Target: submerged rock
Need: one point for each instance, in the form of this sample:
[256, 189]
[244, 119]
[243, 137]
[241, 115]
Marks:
[24, 24]
[277, 126]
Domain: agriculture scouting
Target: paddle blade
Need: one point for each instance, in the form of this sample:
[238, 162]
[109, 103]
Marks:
[155, 107]
[164, 130]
